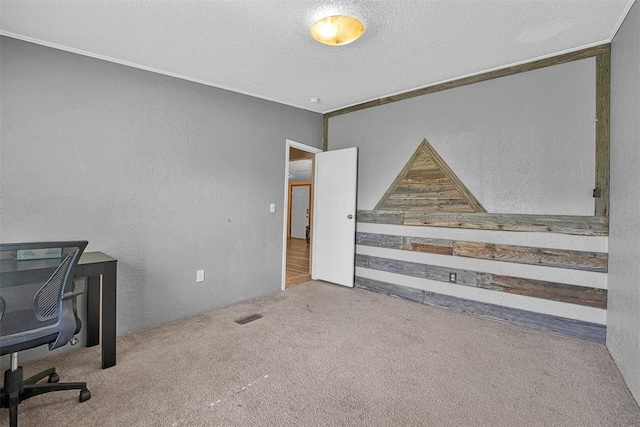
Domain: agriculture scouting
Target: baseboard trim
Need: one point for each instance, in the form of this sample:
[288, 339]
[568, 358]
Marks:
[587, 331]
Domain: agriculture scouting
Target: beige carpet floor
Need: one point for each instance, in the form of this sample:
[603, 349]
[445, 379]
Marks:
[331, 356]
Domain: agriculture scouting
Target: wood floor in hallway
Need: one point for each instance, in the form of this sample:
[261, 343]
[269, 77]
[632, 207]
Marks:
[297, 262]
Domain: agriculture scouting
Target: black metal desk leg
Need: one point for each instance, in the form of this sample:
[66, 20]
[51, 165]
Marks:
[109, 315]
[92, 292]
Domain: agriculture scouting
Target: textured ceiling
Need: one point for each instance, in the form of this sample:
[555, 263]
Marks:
[263, 47]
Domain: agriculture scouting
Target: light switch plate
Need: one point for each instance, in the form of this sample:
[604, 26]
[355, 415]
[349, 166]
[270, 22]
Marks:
[200, 276]
[272, 207]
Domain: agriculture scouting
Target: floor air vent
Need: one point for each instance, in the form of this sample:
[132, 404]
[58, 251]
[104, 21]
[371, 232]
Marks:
[246, 319]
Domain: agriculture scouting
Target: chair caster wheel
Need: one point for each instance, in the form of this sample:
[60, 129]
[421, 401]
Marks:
[54, 378]
[85, 395]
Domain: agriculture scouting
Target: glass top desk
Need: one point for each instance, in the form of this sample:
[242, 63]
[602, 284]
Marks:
[100, 269]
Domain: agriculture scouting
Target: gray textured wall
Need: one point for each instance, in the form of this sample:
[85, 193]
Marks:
[521, 144]
[623, 313]
[166, 175]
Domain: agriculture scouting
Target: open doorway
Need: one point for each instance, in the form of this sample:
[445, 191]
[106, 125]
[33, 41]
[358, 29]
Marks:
[298, 214]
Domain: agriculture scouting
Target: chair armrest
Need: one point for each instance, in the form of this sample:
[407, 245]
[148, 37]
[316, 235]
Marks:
[73, 294]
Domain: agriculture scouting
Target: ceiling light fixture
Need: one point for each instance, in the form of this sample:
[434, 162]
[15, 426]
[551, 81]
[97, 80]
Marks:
[337, 30]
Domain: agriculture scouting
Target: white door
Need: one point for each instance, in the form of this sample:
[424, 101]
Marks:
[334, 216]
[299, 210]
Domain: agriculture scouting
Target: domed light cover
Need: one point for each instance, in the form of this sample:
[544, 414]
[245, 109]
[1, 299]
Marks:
[337, 30]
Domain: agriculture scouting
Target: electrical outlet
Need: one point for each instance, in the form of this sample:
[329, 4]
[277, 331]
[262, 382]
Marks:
[200, 276]
[272, 207]
[453, 277]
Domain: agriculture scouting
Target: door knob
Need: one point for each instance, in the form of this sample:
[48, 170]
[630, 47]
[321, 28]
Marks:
[350, 216]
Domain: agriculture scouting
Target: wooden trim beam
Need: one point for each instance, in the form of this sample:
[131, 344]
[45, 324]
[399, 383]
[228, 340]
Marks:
[503, 72]
[325, 132]
[603, 106]
[563, 224]
[587, 331]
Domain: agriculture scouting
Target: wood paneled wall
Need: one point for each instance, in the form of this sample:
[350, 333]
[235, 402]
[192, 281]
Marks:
[391, 268]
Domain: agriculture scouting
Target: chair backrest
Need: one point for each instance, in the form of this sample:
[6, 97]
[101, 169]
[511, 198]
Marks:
[34, 278]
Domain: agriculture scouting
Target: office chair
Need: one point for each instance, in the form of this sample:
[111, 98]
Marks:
[37, 307]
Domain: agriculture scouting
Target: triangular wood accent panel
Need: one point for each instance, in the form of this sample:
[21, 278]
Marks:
[427, 184]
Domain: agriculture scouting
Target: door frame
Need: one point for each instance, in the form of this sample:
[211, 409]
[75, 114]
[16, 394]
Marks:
[285, 208]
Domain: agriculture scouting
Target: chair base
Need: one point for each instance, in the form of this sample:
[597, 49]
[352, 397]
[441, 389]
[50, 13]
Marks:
[16, 389]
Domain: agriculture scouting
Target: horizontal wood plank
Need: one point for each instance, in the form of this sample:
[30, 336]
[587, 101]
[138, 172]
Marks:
[587, 331]
[453, 204]
[362, 261]
[563, 224]
[572, 294]
[380, 217]
[404, 292]
[560, 258]
[423, 244]
[420, 188]
[443, 193]
[423, 271]
[379, 240]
